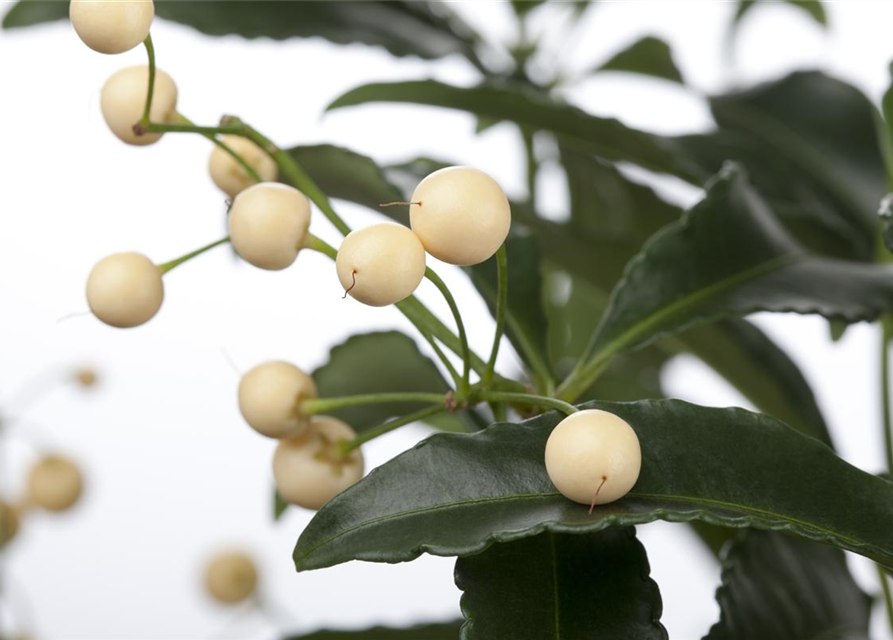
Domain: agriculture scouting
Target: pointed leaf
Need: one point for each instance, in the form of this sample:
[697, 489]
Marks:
[775, 587]
[443, 631]
[279, 505]
[554, 586]
[456, 494]
[649, 56]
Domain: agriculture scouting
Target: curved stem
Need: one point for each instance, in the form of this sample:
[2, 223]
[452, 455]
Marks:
[371, 434]
[228, 149]
[460, 326]
[501, 300]
[167, 266]
[457, 379]
[150, 51]
[325, 405]
[886, 336]
[528, 400]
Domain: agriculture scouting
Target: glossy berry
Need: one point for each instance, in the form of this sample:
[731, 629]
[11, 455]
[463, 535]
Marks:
[231, 577]
[309, 469]
[593, 457]
[9, 523]
[125, 290]
[229, 175]
[268, 224]
[460, 214]
[123, 100]
[112, 26]
[381, 264]
[54, 483]
[270, 396]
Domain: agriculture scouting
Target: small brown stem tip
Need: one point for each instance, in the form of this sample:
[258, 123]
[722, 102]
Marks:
[139, 129]
[595, 497]
[353, 275]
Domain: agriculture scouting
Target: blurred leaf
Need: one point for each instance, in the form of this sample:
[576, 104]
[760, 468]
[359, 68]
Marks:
[381, 362]
[813, 7]
[775, 587]
[648, 56]
[523, 7]
[560, 585]
[836, 329]
[403, 28]
[886, 214]
[526, 325]
[457, 494]
[444, 631]
[604, 137]
[279, 505]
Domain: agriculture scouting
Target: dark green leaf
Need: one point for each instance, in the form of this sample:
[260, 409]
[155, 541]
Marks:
[729, 256]
[346, 175]
[813, 7]
[556, 585]
[379, 363]
[526, 325]
[886, 214]
[279, 505]
[775, 587]
[649, 56]
[444, 631]
[403, 28]
[605, 137]
[456, 494]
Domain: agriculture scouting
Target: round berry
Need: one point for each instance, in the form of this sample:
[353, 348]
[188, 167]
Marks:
[231, 577]
[123, 100]
[9, 523]
[309, 469]
[460, 214]
[268, 224]
[270, 397]
[229, 175]
[112, 26]
[54, 483]
[593, 457]
[381, 264]
[125, 289]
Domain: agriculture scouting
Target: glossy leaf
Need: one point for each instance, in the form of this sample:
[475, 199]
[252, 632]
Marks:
[555, 585]
[812, 7]
[648, 56]
[456, 494]
[403, 28]
[604, 137]
[776, 587]
[378, 363]
[730, 256]
[443, 631]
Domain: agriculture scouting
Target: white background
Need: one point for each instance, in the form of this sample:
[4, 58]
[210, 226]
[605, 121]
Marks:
[173, 472]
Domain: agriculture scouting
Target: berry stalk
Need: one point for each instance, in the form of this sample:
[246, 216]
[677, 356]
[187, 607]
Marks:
[325, 405]
[501, 302]
[167, 266]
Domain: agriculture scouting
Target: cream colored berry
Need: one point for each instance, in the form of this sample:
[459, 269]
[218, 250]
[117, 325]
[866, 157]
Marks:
[85, 377]
[54, 483]
[229, 175]
[112, 26]
[9, 523]
[460, 214]
[231, 577]
[381, 264]
[309, 469]
[268, 224]
[123, 100]
[270, 396]
[593, 457]
[125, 290]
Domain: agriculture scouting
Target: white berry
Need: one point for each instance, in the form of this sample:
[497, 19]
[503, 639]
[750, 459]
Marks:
[268, 224]
[54, 483]
[123, 100]
[270, 396]
[461, 215]
[309, 469]
[125, 289]
[229, 175]
[593, 457]
[381, 264]
[231, 577]
[112, 26]
[9, 523]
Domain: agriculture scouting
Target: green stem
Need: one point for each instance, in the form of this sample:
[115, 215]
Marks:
[457, 379]
[167, 266]
[228, 149]
[527, 399]
[888, 596]
[182, 127]
[150, 51]
[371, 434]
[460, 326]
[532, 165]
[326, 405]
[886, 337]
[582, 377]
[501, 300]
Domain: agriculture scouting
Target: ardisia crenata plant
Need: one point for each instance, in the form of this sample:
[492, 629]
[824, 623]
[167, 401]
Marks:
[541, 475]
